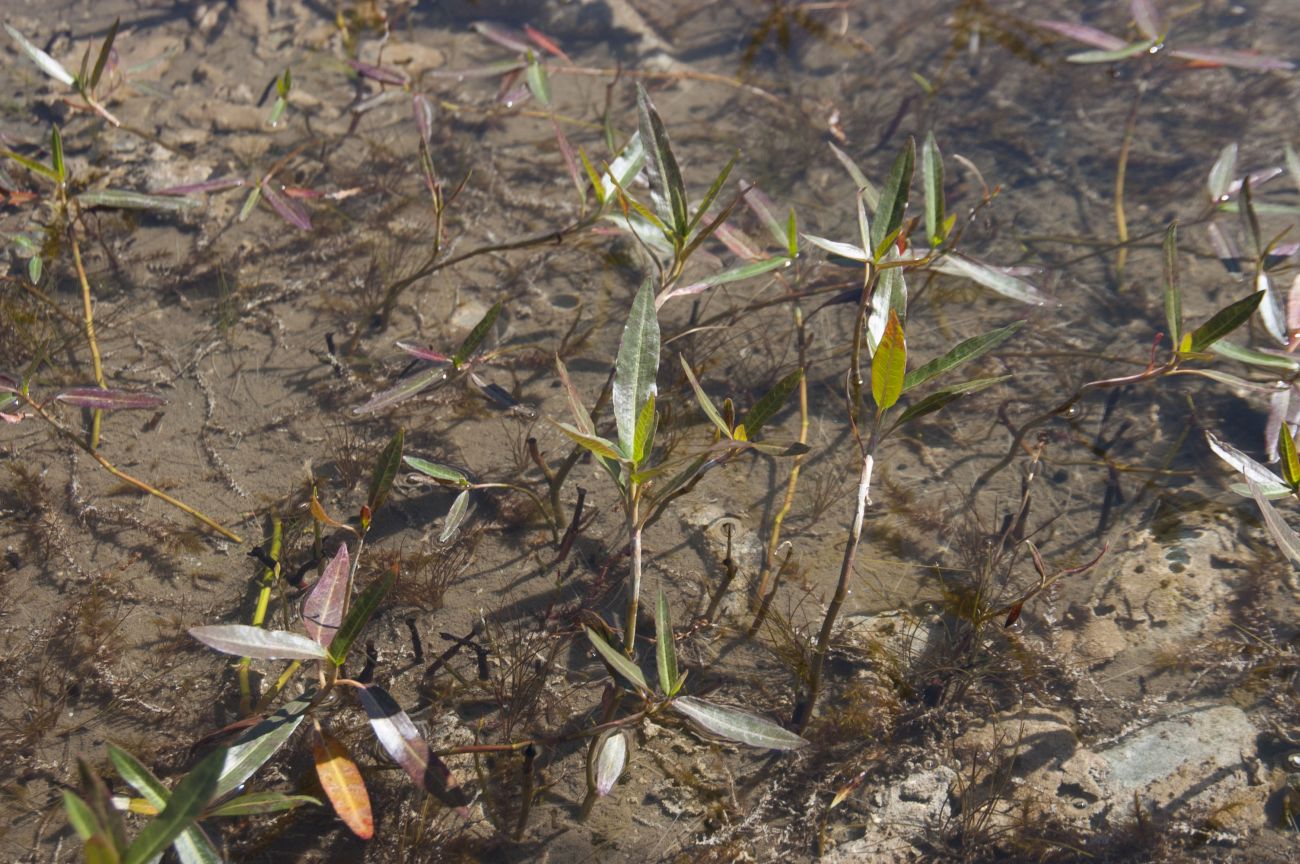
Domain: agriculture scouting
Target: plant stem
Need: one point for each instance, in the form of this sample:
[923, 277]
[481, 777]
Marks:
[634, 589]
[88, 319]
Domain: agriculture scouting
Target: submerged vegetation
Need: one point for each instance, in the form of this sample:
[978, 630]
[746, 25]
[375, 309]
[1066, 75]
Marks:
[727, 530]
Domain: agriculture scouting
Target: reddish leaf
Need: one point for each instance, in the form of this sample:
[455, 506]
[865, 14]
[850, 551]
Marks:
[322, 611]
[404, 744]
[220, 184]
[1209, 59]
[1085, 34]
[379, 73]
[501, 35]
[342, 783]
[545, 42]
[288, 210]
[107, 400]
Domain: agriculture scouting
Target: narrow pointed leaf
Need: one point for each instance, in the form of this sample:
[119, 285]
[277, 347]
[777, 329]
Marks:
[893, 196]
[581, 415]
[865, 187]
[455, 516]
[665, 647]
[476, 336]
[436, 471]
[1283, 534]
[1249, 356]
[243, 640]
[342, 783]
[539, 83]
[712, 194]
[706, 404]
[31, 165]
[889, 366]
[667, 192]
[1131, 50]
[47, 64]
[932, 179]
[122, 199]
[844, 250]
[618, 661]
[359, 615]
[608, 758]
[736, 725]
[932, 402]
[1243, 464]
[1287, 451]
[732, 274]
[255, 747]
[764, 209]
[1083, 33]
[990, 277]
[765, 408]
[404, 744]
[192, 846]
[602, 447]
[637, 365]
[645, 428]
[1224, 321]
[1235, 59]
[1173, 291]
[101, 399]
[184, 806]
[322, 611]
[411, 387]
[964, 352]
[105, 51]
[81, 817]
[56, 154]
[256, 803]
[386, 467]
[288, 210]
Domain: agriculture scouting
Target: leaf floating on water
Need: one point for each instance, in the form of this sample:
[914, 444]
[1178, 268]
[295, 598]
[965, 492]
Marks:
[243, 640]
[736, 725]
[994, 278]
[101, 399]
[322, 612]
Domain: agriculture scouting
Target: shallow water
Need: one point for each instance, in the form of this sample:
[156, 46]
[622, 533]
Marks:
[264, 337]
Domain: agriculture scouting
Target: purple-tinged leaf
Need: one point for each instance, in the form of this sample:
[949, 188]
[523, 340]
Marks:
[765, 210]
[243, 640]
[1083, 33]
[503, 36]
[1256, 178]
[220, 184]
[404, 744]
[570, 161]
[1283, 534]
[1280, 252]
[288, 210]
[107, 400]
[422, 108]
[1292, 312]
[1237, 59]
[512, 97]
[546, 43]
[404, 391]
[424, 353]
[323, 609]
[1147, 18]
[609, 755]
[737, 242]
[379, 73]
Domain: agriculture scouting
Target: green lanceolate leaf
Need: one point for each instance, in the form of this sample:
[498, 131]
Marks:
[56, 155]
[1220, 179]
[618, 661]
[637, 366]
[411, 387]
[476, 336]
[712, 194]
[932, 402]
[771, 403]
[1290, 462]
[889, 365]
[932, 179]
[865, 187]
[667, 192]
[81, 817]
[665, 648]
[1251, 357]
[893, 197]
[385, 471]
[105, 50]
[1173, 292]
[645, 432]
[358, 616]
[1110, 56]
[1224, 321]
[539, 83]
[192, 846]
[255, 803]
[964, 352]
[122, 199]
[602, 447]
[31, 164]
[437, 472]
[792, 235]
[184, 806]
[736, 725]
[252, 749]
[706, 404]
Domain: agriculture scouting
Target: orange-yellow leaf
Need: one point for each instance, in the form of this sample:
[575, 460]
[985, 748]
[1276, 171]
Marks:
[342, 783]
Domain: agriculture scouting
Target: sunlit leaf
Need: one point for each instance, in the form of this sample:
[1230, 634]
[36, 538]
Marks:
[121, 199]
[243, 640]
[1243, 464]
[1221, 175]
[932, 402]
[893, 198]
[56, 155]
[342, 783]
[602, 447]
[476, 336]
[865, 187]
[1236, 59]
[411, 387]
[322, 611]
[47, 64]
[1173, 291]
[1283, 534]
[618, 661]
[889, 366]
[287, 209]
[1083, 33]
[105, 51]
[844, 250]
[643, 440]
[667, 192]
[990, 277]
[1103, 56]
[455, 516]
[1285, 362]
[733, 724]
[359, 615]
[386, 467]
[964, 352]
[252, 749]
[706, 404]
[256, 803]
[637, 365]
[1224, 321]
[31, 164]
[102, 399]
[609, 755]
[1287, 451]
[539, 83]
[404, 744]
[1270, 309]
[436, 471]
[192, 845]
[81, 817]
